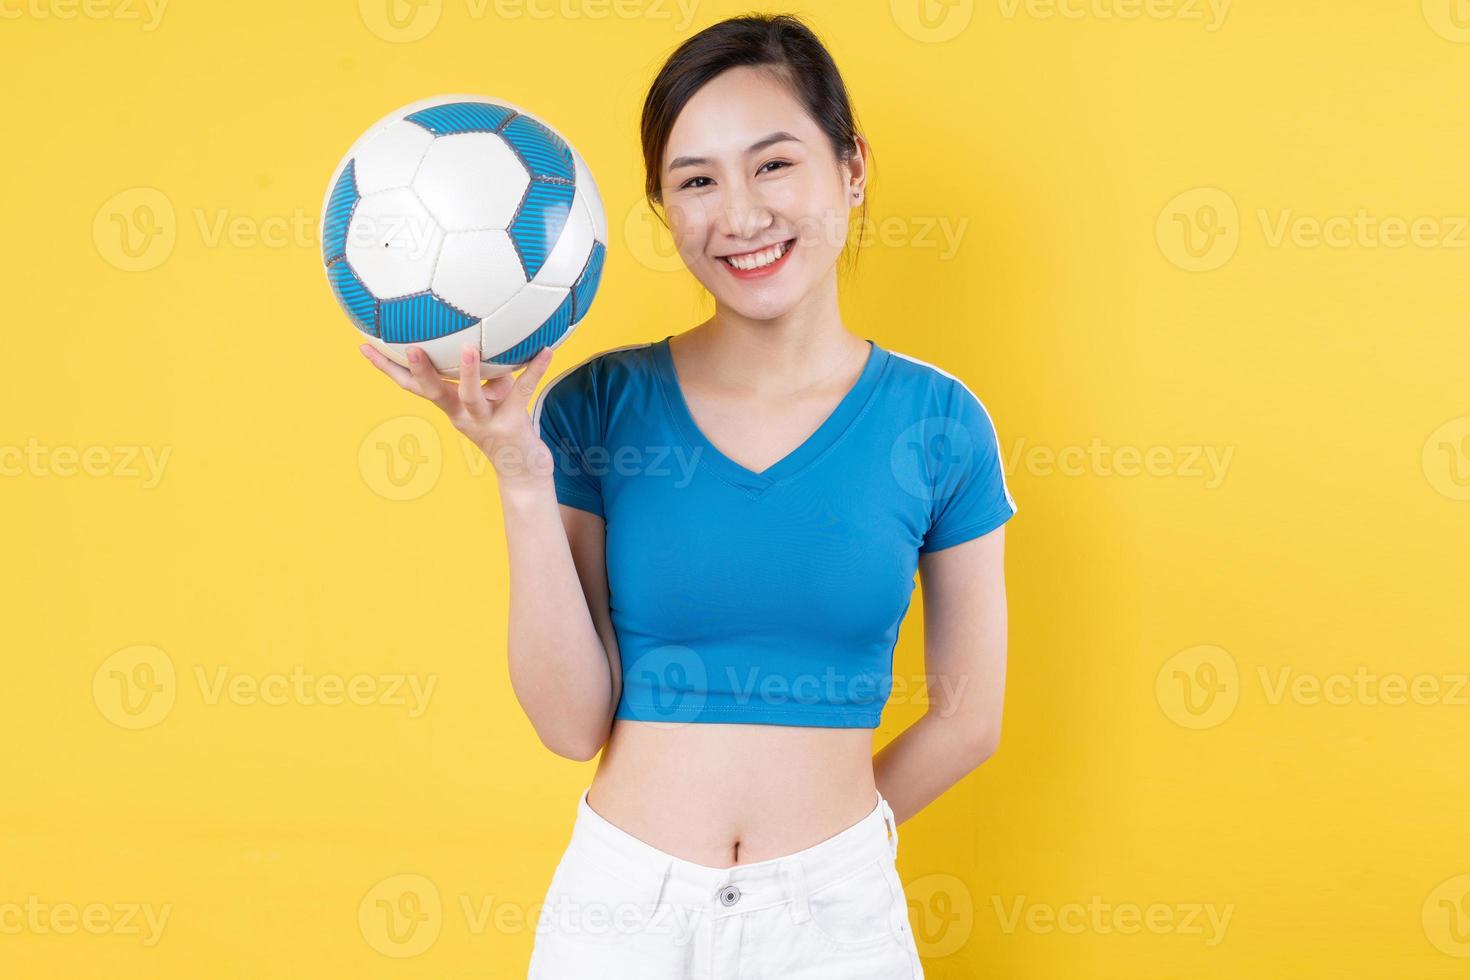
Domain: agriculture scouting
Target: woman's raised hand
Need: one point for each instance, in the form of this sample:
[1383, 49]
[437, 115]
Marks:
[492, 414]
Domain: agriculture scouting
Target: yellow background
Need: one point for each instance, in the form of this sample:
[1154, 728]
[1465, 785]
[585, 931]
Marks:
[1150, 758]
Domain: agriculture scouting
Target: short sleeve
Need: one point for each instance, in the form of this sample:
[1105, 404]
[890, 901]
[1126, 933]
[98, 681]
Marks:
[970, 495]
[567, 419]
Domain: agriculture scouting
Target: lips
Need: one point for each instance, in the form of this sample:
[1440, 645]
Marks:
[759, 258]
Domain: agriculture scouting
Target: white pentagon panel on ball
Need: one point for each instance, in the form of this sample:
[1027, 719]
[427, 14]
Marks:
[391, 157]
[471, 181]
[568, 257]
[587, 191]
[441, 350]
[478, 271]
[392, 243]
[519, 318]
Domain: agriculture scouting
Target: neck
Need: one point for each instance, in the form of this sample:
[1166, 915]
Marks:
[803, 348]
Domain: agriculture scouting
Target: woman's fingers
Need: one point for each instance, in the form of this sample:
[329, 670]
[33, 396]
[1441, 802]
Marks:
[419, 377]
[397, 372]
[498, 387]
[477, 398]
[471, 395]
[526, 383]
[426, 379]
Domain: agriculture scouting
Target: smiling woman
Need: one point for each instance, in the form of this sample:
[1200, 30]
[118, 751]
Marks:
[738, 823]
[743, 198]
[723, 632]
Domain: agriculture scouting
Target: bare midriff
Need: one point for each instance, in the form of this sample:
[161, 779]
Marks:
[726, 794]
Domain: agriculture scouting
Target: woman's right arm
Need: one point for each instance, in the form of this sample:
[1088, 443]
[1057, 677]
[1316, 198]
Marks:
[563, 655]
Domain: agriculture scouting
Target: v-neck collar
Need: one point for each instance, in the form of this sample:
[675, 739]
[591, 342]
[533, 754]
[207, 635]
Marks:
[793, 463]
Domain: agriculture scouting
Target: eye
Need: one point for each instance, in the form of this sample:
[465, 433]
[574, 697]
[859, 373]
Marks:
[690, 183]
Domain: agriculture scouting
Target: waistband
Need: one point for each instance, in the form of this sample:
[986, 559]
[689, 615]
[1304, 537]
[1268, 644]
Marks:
[660, 877]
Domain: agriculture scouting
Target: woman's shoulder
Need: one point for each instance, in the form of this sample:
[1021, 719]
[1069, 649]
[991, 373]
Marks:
[595, 376]
[931, 384]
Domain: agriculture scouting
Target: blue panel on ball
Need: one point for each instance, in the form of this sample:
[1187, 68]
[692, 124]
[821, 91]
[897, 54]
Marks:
[461, 117]
[586, 285]
[415, 319]
[354, 297]
[539, 222]
[544, 152]
[339, 213]
[545, 335]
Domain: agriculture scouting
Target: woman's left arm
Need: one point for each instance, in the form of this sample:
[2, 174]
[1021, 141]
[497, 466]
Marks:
[965, 665]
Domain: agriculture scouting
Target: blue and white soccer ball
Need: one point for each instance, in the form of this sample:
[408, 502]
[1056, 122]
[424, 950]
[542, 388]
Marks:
[463, 219]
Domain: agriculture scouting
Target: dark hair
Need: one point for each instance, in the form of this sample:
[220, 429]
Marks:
[780, 43]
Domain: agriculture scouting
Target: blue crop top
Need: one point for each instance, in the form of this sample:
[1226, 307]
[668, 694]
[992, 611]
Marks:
[771, 597]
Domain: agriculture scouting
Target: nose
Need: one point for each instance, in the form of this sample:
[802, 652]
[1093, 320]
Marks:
[743, 215]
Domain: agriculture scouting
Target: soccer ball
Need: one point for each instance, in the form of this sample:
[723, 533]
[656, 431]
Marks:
[461, 219]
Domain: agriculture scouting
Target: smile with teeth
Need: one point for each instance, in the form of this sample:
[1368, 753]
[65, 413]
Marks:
[755, 260]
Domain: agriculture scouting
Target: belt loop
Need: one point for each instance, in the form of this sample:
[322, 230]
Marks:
[892, 826]
[658, 894]
[795, 878]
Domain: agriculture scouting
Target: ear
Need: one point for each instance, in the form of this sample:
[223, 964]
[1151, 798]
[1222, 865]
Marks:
[857, 169]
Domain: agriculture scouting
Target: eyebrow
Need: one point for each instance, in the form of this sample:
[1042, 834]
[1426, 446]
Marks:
[756, 147]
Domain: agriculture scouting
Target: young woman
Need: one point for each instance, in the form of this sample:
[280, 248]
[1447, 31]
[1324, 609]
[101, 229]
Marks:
[713, 540]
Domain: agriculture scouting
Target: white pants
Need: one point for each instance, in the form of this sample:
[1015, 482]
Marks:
[620, 909]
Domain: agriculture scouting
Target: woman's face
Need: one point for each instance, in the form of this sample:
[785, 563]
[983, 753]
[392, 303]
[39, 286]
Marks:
[745, 170]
